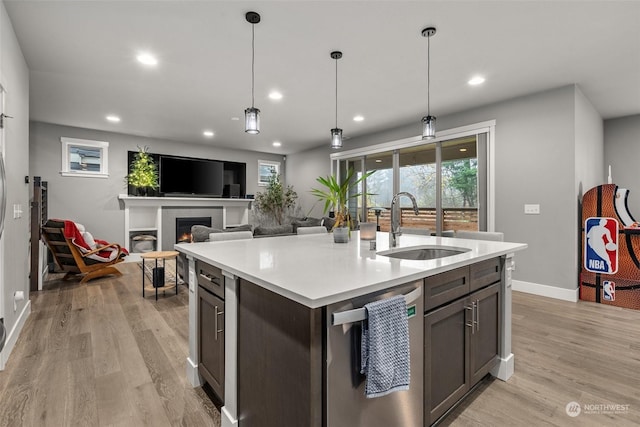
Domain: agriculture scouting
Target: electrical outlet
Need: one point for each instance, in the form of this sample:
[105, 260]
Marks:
[532, 209]
[17, 211]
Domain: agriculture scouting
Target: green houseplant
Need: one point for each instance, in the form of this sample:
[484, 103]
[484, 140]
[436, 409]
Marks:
[336, 197]
[276, 201]
[143, 172]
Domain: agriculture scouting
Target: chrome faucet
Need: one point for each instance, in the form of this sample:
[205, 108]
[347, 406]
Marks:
[395, 224]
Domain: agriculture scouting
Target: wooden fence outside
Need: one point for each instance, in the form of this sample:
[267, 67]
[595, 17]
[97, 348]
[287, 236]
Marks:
[454, 219]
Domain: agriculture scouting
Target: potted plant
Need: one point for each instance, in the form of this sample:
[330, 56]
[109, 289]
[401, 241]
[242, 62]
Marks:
[336, 196]
[143, 172]
[276, 200]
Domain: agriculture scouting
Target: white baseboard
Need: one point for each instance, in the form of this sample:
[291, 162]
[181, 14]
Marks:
[192, 373]
[505, 368]
[12, 337]
[226, 419]
[546, 290]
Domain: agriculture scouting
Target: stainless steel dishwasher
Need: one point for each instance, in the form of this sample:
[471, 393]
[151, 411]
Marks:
[346, 404]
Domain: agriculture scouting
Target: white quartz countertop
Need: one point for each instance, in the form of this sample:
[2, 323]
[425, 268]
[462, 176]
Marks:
[314, 271]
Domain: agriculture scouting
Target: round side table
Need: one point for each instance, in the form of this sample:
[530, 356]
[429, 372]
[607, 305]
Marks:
[157, 276]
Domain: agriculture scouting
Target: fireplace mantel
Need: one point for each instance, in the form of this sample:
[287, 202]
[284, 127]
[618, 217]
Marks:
[144, 214]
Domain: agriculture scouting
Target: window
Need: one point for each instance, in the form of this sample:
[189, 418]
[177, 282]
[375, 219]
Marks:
[451, 179]
[265, 170]
[86, 158]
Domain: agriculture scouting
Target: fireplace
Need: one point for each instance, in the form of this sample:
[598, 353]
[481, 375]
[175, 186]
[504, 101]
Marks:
[183, 227]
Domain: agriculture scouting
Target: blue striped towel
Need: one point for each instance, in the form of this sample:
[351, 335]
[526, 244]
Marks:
[385, 347]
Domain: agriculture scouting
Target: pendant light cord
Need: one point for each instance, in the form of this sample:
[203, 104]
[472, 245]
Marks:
[253, 60]
[336, 92]
[428, 74]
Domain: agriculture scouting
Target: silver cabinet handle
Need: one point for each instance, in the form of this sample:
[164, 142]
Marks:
[211, 279]
[215, 321]
[477, 321]
[471, 323]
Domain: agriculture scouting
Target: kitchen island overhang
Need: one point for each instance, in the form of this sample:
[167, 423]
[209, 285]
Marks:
[314, 272]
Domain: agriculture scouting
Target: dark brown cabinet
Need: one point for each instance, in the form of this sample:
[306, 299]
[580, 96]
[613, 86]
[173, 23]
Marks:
[211, 327]
[461, 338]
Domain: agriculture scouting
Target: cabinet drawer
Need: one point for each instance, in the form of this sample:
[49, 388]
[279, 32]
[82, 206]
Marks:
[210, 277]
[445, 287]
[485, 273]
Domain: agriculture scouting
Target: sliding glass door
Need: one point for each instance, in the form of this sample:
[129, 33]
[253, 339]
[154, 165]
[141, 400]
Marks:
[448, 179]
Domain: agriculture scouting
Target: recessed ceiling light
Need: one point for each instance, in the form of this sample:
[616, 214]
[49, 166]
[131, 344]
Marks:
[208, 133]
[477, 80]
[358, 118]
[378, 161]
[147, 59]
[113, 119]
[235, 119]
[275, 95]
[276, 143]
[463, 149]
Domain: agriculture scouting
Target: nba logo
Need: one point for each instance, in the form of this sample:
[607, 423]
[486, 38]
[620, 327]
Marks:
[608, 290]
[601, 245]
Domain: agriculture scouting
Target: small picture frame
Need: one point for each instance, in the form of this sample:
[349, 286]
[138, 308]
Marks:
[267, 168]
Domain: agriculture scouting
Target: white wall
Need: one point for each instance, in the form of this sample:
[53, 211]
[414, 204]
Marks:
[94, 201]
[535, 145]
[14, 265]
[622, 152]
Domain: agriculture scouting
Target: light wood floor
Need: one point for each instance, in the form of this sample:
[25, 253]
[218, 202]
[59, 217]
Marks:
[98, 354]
[564, 352]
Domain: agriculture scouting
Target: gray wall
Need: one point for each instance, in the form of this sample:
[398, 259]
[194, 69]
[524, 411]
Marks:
[14, 246]
[302, 170]
[535, 154]
[94, 201]
[622, 152]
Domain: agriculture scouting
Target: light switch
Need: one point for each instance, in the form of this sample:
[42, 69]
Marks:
[17, 211]
[532, 209]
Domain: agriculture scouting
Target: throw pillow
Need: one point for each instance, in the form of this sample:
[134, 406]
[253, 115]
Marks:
[88, 238]
[268, 231]
[200, 233]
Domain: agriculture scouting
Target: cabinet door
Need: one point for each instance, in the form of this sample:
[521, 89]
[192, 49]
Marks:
[485, 334]
[211, 340]
[446, 369]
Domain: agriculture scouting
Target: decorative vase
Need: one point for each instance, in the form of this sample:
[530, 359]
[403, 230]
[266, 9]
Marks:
[341, 235]
[141, 191]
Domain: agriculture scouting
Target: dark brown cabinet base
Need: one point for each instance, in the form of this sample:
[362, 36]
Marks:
[461, 342]
[211, 327]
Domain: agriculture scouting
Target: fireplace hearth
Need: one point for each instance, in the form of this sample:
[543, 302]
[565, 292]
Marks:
[183, 227]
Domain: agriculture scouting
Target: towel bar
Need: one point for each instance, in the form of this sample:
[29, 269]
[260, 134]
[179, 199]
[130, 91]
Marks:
[359, 314]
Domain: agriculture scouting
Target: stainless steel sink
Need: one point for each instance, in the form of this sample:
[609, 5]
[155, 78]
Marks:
[423, 253]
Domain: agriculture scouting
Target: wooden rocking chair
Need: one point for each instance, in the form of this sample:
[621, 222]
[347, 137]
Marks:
[73, 261]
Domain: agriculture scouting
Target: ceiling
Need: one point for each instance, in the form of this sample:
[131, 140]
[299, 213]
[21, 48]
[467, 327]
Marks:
[82, 61]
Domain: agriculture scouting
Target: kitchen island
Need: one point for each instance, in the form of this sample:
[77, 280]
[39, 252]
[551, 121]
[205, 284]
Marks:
[265, 328]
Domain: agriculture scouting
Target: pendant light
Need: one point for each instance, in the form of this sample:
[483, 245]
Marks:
[428, 121]
[252, 115]
[336, 133]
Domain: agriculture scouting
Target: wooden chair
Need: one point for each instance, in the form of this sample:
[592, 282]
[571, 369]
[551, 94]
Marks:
[74, 262]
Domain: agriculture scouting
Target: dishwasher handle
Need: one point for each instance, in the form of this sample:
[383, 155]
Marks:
[360, 314]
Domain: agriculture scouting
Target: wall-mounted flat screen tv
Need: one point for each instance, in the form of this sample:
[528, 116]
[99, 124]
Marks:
[185, 176]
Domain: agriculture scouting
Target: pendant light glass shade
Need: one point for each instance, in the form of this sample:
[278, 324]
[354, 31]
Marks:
[252, 120]
[252, 114]
[428, 121]
[336, 133]
[428, 127]
[336, 138]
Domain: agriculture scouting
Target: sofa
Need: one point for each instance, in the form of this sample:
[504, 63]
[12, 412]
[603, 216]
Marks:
[200, 233]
